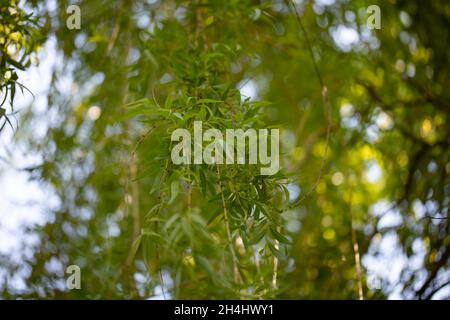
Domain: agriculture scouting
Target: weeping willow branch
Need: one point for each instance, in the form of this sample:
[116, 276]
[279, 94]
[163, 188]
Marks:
[326, 102]
[275, 266]
[356, 252]
[237, 276]
[132, 175]
[161, 201]
[115, 32]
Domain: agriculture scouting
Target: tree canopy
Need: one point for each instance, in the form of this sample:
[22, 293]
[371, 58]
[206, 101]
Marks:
[365, 157]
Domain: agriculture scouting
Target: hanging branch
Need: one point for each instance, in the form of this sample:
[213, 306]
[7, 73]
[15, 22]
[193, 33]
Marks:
[326, 102]
[356, 251]
[132, 175]
[236, 272]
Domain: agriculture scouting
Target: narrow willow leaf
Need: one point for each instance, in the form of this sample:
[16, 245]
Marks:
[135, 246]
[174, 189]
[200, 101]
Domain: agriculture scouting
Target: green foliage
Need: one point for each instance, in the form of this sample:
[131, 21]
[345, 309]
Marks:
[136, 223]
[201, 210]
[20, 37]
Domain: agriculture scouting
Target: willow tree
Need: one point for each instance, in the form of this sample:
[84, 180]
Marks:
[20, 37]
[138, 225]
[216, 229]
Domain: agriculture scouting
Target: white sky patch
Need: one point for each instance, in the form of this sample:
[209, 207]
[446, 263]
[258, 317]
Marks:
[389, 215]
[23, 202]
[388, 263]
[347, 110]
[372, 133]
[419, 209]
[390, 219]
[373, 172]
[248, 89]
[379, 208]
[348, 117]
[384, 121]
[325, 2]
[294, 191]
[419, 249]
[444, 293]
[158, 293]
[345, 37]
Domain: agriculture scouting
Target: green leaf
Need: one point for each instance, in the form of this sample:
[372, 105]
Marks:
[204, 262]
[209, 20]
[152, 212]
[174, 189]
[257, 236]
[276, 252]
[168, 103]
[200, 101]
[277, 235]
[135, 246]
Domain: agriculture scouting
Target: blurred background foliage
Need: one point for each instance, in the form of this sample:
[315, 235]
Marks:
[139, 227]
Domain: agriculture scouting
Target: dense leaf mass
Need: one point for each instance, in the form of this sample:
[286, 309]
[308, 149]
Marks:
[359, 208]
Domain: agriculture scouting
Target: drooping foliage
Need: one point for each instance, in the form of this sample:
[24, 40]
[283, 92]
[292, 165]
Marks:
[20, 37]
[363, 129]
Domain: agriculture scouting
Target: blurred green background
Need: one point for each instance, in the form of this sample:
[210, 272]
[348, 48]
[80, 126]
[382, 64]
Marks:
[83, 179]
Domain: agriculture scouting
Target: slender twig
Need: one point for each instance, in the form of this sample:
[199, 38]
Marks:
[275, 266]
[236, 272]
[131, 176]
[158, 260]
[115, 32]
[356, 251]
[435, 290]
[326, 102]
[439, 264]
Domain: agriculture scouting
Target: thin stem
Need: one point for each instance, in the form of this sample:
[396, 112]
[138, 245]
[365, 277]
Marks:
[237, 276]
[326, 101]
[158, 260]
[275, 267]
[356, 252]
